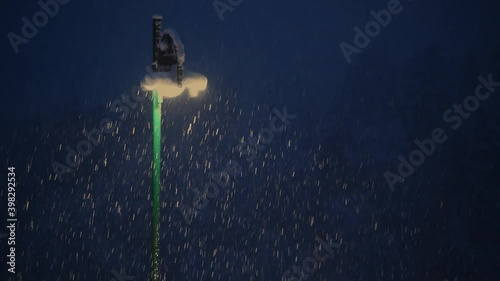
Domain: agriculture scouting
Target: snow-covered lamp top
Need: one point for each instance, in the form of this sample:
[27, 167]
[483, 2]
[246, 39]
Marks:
[165, 83]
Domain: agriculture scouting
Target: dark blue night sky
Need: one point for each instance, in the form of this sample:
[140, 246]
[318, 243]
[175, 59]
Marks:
[385, 162]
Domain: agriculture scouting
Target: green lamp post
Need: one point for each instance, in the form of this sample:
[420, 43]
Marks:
[155, 191]
[168, 51]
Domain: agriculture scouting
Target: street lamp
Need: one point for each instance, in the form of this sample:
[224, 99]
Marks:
[168, 51]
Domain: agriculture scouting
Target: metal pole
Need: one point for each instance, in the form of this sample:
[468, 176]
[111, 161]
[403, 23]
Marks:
[156, 40]
[155, 225]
